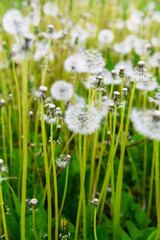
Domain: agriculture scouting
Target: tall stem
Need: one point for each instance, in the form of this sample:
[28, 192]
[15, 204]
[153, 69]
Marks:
[44, 142]
[25, 138]
[55, 184]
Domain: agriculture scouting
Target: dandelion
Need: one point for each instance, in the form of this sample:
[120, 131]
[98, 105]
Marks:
[111, 77]
[63, 161]
[75, 63]
[147, 123]
[156, 98]
[106, 36]
[42, 50]
[50, 9]
[14, 23]
[61, 90]
[154, 60]
[78, 33]
[80, 119]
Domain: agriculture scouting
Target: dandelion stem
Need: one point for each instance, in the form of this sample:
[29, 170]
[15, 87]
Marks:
[33, 223]
[95, 233]
[3, 212]
[10, 134]
[55, 183]
[25, 138]
[120, 172]
[65, 191]
[44, 141]
[3, 135]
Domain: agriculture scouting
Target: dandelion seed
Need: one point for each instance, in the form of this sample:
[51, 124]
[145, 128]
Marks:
[61, 90]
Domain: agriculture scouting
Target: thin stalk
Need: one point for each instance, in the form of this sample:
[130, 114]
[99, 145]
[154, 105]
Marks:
[151, 182]
[34, 223]
[110, 167]
[92, 165]
[120, 172]
[3, 135]
[55, 183]
[3, 212]
[81, 186]
[10, 134]
[95, 232]
[25, 139]
[44, 142]
[65, 191]
[157, 185]
[84, 199]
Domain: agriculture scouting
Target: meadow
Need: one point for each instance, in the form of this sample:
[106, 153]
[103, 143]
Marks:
[79, 119]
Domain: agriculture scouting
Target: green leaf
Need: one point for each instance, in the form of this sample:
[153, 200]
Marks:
[134, 232]
[16, 200]
[124, 235]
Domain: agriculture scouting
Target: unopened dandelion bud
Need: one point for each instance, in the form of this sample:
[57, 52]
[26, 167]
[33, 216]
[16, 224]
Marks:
[50, 28]
[43, 89]
[116, 96]
[95, 202]
[114, 74]
[111, 107]
[125, 90]
[1, 163]
[30, 114]
[10, 98]
[141, 65]
[148, 46]
[2, 102]
[33, 202]
[58, 111]
[28, 37]
[121, 71]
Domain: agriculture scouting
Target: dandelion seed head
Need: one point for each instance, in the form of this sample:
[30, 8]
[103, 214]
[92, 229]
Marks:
[50, 9]
[61, 90]
[105, 36]
[63, 161]
[79, 120]
[14, 23]
[147, 122]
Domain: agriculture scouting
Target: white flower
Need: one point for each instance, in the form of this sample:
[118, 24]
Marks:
[154, 60]
[14, 23]
[122, 47]
[128, 69]
[111, 77]
[42, 50]
[61, 90]
[78, 33]
[80, 119]
[50, 9]
[75, 63]
[147, 123]
[106, 36]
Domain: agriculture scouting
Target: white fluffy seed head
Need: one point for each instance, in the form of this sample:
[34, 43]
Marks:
[61, 90]
[80, 119]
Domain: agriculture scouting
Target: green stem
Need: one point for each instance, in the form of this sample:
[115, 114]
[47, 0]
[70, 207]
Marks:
[10, 134]
[65, 191]
[95, 233]
[55, 183]
[33, 223]
[151, 182]
[3, 213]
[157, 185]
[120, 172]
[25, 138]
[44, 72]
[3, 135]
[44, 142]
